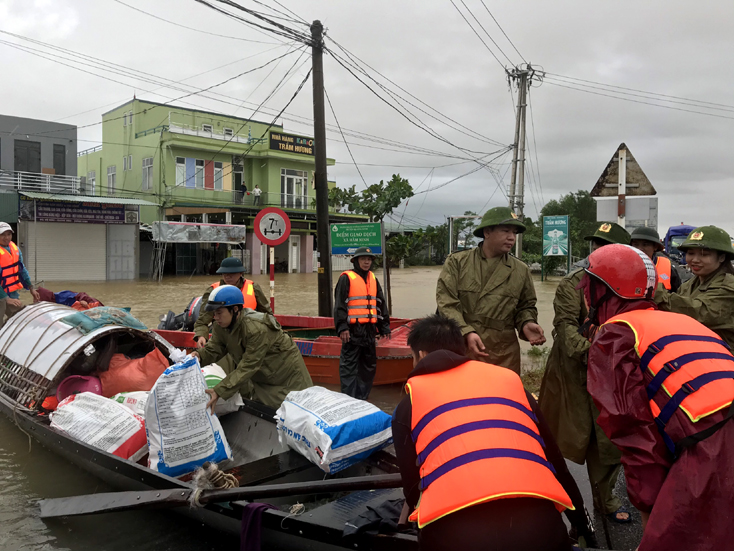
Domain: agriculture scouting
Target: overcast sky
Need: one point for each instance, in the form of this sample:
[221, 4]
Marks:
[671, 48]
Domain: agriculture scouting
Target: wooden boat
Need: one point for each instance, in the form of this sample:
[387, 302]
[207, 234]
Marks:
[320, 347]
[37, 351]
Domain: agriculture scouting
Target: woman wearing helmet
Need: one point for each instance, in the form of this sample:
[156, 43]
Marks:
[664, 385]
[267, 362]
[709, 297]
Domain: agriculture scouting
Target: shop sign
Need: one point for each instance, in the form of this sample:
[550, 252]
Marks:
[291, 144]
[78, 212]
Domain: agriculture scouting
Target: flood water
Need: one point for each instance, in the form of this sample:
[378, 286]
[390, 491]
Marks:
[27, 476]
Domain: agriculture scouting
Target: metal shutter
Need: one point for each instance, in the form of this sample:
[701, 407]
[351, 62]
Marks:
[66, 251]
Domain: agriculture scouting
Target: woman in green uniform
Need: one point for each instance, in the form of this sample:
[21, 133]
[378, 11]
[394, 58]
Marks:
[709, 297]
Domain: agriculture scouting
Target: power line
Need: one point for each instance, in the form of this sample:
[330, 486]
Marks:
[503, 31]
[535, 148]
[186, 27]
[472, 171]
[485, 32]
[345, 140]
[478, 35]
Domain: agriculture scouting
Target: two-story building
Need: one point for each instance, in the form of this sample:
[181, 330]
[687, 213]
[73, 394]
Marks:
[202, 167]
[63, 232]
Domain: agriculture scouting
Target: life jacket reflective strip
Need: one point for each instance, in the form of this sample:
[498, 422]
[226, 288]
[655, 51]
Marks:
[694, 366]
[664, 268]
[248, 292]
[477, 440]
[10, 268]
[362, 299]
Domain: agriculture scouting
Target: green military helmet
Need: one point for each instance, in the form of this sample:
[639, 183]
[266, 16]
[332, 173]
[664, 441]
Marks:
[647, 234]
[498, 216]
[363, 251]
[231, 265]
[709, 237]
[611, 233]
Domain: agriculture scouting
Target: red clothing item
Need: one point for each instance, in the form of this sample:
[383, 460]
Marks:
[691, 498]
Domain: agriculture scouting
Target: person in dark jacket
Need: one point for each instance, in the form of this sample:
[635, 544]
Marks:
[517, 518]
[360, 315]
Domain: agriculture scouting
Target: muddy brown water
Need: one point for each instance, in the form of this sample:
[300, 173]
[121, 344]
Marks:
[27, 476]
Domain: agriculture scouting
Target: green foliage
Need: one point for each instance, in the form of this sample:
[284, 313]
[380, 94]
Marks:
[400, 247]
[376, 201]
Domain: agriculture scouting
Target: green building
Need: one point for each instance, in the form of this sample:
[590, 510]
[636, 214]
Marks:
[207, 168]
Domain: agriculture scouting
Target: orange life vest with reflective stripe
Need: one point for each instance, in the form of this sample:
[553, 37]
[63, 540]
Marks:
[248, 292]
[477, 440]
[691, 364]
[664, 269]
[10, 268]
[362, 299]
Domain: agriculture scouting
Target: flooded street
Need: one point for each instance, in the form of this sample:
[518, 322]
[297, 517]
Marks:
[26, 476]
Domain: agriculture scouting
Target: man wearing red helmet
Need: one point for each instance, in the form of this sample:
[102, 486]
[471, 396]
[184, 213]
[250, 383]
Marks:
[664, 386]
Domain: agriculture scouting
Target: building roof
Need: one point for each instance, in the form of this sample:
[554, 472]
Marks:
[88, 199]
[193, 110]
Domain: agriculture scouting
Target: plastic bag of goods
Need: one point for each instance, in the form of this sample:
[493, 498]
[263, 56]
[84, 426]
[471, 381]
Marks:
[331, 429]
[182, 434]
[134, 401]
[213, 375]
[103, 424]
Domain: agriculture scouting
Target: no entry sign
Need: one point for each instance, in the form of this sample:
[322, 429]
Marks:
[272, 226]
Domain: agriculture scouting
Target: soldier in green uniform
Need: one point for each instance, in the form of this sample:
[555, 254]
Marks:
[564, 400]
[267, 363]
[233, 273]
[709, 296]
[490, 293]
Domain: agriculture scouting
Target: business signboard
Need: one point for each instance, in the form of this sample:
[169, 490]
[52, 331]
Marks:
[347, 238]
[555, 235]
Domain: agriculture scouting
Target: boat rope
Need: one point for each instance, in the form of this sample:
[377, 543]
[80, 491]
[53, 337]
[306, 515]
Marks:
[17, 424]
[209, 476]
[296, 509]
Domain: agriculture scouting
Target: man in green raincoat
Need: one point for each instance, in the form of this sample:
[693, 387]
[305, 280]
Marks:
[490, 293]
[267, 363]
[564, 401]
[709, 296]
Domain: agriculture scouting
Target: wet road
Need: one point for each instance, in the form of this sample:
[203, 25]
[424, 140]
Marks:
[28, 476]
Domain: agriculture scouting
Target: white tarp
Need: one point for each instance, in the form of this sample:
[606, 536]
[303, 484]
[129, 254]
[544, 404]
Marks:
[189, 232]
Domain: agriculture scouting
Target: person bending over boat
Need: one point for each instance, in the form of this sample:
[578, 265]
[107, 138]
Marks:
[663, 383]
[479, 465]
[233, 273]
[266, 364]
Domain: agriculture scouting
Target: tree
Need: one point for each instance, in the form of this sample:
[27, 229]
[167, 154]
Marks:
[376, 201]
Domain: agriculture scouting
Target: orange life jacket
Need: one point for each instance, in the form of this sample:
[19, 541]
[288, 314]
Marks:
[362, 299]
[664, 269]
[691, 364]
[10, 268]
[248, 292]
[477, 440]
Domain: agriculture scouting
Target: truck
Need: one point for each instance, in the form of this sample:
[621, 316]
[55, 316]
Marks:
[675, 236]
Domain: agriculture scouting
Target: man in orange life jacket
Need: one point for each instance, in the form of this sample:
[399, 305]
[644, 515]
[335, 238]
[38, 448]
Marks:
[479, 465]
[648, 241]
[664, 385]
[13, 275]
[233, 273]
[360, 314]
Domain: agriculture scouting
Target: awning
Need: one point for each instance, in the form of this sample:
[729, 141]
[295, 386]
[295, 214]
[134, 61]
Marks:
[87, 199]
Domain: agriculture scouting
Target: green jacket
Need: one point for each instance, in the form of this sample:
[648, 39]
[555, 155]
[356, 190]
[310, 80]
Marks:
[493, 306]
[201, 327]
[710, 303]
[262, 359]
[564, 401]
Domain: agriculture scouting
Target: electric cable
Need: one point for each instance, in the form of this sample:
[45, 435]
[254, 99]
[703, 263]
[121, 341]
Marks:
[345, 140]
[478, 35]
[503, 31]
[485, 32]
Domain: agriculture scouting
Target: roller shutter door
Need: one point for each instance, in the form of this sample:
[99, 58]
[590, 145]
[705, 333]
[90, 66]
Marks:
[66, 252]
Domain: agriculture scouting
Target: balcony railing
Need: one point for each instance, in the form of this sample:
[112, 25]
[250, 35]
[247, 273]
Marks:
[178, 128]
[44, 183]
[282, 200]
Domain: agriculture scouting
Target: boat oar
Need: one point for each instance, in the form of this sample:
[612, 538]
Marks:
[182, 497]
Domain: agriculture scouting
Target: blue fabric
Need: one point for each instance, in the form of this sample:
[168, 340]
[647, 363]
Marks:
[478, 455]
[476, 425]
[676, 364]
[431, 415]
[94, 318]
[65, 297]
[661, 343]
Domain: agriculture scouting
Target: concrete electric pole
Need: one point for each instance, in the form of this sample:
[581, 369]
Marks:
[320, 176]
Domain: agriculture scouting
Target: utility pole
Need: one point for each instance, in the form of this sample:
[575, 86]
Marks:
[517, 181]
[622, 186]
[320, 177]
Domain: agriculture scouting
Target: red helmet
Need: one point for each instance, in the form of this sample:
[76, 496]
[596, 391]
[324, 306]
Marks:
[628, 272]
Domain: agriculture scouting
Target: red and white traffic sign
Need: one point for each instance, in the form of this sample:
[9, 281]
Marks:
[272, 226]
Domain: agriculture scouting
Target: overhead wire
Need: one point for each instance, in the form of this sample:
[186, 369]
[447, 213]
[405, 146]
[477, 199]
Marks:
[345, 140]
[487, 33]
[503, 31]
[535, 148]
[478, 35]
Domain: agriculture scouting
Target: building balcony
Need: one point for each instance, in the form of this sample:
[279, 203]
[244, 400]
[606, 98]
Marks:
[44, 183]
[214, 133]
[281, 200]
